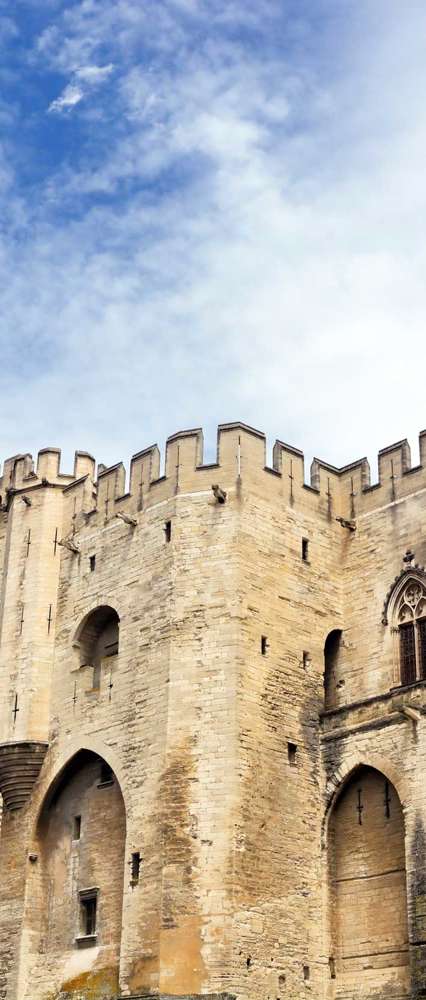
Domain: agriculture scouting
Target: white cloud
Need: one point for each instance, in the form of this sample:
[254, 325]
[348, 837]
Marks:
[262, 256]
[70, 96]
[87, 77]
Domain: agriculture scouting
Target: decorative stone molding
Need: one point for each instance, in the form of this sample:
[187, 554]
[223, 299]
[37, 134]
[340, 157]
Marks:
[20, 765]
[413, 573]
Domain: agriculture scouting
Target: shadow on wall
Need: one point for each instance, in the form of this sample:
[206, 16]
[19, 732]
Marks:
[332, 657]
[367, 890]
[97, 639]
[75, 890]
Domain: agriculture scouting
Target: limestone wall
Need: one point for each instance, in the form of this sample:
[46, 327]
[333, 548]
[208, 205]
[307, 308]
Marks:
[211, 716]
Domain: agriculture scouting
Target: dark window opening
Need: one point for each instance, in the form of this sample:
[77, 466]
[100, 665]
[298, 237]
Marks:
[97, 639]
[106, 775]
[421, 627]
[76, 829]
[305, 549]
[306, 659]
[92, 563]
[291, 753]
[332, 967]
[135, 867]
[88, 912]
[408, 653]
[332, 650]
[306, 972]
[168, 531]
[264, 645]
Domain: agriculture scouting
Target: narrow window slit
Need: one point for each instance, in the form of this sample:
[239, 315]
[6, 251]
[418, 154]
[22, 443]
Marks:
[305, 549]
[264, 645]
[76, 831]
[292, 753]
[168, 531]
[135, 867]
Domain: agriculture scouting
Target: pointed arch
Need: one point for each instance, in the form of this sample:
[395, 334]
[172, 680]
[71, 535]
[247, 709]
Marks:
[76, 894]
[416, 573]
[367, 892]
[405, 609]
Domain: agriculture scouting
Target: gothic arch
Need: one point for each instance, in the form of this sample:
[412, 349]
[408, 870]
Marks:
[76, 880]
[417, 574]
[367, 893]
[340, 777]
[48, 779]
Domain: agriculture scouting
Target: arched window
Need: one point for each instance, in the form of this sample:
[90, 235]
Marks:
[331, 662]
[410, 621]
[97, 639]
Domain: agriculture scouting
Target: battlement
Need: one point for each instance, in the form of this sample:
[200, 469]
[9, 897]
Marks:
[241, 456]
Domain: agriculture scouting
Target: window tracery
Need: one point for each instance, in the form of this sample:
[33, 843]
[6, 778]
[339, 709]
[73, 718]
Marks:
[410, 623]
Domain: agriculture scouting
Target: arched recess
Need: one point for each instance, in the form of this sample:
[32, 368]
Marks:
[367, 889]
[332, 662]
[75, 893]
[97, 639]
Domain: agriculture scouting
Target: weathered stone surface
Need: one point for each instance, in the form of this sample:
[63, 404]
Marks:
[230, 821]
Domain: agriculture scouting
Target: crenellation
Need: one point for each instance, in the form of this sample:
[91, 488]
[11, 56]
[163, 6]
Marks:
[111, 484]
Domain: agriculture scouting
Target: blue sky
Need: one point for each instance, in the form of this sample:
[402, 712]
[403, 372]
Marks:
[212, 211]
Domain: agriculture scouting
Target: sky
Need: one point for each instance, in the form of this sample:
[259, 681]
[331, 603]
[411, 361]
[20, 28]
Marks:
[212, 210]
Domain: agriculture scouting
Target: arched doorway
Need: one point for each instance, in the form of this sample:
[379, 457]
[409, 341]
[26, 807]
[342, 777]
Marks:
[74, 913]
[369, 933]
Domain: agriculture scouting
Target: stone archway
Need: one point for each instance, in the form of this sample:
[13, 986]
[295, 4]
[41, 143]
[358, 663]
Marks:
[367, 886]
[73, 925]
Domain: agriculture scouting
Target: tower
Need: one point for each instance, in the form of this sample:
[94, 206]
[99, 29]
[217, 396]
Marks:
[212, 725]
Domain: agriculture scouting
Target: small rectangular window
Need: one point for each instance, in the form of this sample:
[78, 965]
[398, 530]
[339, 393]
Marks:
[305, 549]
[135, 867]
[168, 531]
[408, 653]
[88, 912]
[92, 562]
[291, 753]
[106, 775]
[306, 972]
[76, 831]
[306, 659]
[264, 645]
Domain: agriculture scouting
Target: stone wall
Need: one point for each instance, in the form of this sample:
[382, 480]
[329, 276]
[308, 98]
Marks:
[238, 789]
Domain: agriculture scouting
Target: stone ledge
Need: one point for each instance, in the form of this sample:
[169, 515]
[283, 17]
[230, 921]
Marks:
[186, 996]
[20, 765]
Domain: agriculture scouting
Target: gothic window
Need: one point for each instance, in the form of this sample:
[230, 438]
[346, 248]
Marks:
[410, 623]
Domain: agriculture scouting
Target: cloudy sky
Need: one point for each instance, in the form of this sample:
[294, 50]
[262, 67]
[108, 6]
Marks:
[212, 210]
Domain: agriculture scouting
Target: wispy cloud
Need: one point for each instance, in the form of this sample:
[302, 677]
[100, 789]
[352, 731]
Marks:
[85, 78]
[230, 225]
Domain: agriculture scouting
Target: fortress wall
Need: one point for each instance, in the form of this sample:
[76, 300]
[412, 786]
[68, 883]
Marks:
[215, 743]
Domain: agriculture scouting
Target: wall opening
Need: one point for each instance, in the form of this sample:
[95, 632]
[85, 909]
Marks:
[76, 894]
[367, 886]
[97, 640]
[332, 658]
